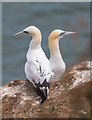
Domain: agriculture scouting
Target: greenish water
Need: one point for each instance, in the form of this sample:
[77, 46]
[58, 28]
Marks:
[47, 17]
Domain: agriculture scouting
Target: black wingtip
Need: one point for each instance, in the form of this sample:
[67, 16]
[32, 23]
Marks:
[40, 93]
[44, 92]
[42, 101]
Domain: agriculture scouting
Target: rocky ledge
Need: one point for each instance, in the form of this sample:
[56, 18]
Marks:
[68, 98]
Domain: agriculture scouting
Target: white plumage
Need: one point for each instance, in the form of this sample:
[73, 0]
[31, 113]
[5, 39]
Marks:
[37, 67]
[56, 60]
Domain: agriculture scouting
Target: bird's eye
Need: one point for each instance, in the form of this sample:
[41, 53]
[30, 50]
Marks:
[26, 32]
[62, 33]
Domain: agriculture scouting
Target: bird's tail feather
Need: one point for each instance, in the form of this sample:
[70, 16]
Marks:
[42, 92]
[45, 91]
[41, 89]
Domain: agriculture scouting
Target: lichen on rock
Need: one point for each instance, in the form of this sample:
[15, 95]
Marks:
[68, 98]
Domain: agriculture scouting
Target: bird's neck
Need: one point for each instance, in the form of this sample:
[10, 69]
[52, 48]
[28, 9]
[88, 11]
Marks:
[54, 47]
[36, 40]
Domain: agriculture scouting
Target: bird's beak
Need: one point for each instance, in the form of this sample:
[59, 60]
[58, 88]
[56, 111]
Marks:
[17, 34]
[68, 33]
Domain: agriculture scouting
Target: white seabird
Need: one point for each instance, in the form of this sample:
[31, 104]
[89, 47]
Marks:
[56, 60]
[37, 67]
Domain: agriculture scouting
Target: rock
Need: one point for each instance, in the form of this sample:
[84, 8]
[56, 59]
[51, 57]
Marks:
[77, 78]
[18, 98]
[68, 98]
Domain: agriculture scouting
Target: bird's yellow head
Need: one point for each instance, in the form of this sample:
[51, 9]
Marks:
[56, 34]
[31, 30]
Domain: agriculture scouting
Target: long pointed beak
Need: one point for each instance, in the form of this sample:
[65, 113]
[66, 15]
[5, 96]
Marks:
[17, 34]
[68, 33]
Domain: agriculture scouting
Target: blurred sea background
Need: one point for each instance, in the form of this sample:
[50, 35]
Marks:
[72, 16]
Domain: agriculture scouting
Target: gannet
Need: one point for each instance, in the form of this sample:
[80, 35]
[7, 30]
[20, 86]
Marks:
[57, 63]
[37, 67]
